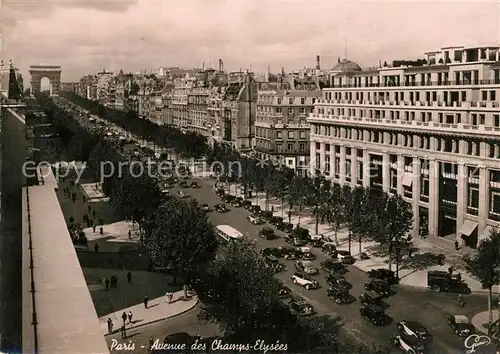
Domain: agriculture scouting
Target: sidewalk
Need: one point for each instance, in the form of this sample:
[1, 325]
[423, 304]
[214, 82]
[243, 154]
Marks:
[413, 272]
[482, 318]
[115, 232]
[158, 309]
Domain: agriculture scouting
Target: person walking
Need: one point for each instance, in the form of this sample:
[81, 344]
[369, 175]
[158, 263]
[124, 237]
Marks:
[110, 325]
[106, 283]
[130, 317]
[123, 330]
[146, 301]
[129, 234]
[96, 247]
[151, 342]
[124, 317]
[93, 228]
[101, 231]
[167, 295]
[129, 277]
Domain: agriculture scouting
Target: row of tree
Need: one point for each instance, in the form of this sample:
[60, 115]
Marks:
[238, 292]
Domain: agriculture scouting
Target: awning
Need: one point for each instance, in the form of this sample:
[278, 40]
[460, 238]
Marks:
[487, 231]
[467, 227]
[407, 179]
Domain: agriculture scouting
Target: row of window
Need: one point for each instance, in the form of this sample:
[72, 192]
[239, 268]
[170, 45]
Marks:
[420, 141]
[291, 134]
[281, 100]
[429, 96]
[279, 110]
[279, 147]
[486, 119]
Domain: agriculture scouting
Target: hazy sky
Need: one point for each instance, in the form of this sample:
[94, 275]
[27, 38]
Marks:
[87, 36]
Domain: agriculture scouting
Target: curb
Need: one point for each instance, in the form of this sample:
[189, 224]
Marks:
[159, 319]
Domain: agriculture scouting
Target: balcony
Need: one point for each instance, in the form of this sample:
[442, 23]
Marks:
[423, 84]
[454, 104]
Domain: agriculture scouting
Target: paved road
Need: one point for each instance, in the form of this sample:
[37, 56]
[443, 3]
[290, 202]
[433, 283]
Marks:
[429, 308]
[186, 322]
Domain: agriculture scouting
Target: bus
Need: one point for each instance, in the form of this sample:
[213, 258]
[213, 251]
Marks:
[228, 233]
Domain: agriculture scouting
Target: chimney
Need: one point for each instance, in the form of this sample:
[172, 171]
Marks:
[221, 67]
[203, 65]
[318, 66]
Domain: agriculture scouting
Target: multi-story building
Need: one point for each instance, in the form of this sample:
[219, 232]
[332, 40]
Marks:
[87, 87]
[281, 128]
[180, 117]
[215, 114]
[428, 130]
[197, 107]
[103, 86]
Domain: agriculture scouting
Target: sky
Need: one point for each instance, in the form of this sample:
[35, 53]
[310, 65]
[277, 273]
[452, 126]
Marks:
[86, 36]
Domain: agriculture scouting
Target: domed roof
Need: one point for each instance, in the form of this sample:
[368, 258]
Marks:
[346, 65]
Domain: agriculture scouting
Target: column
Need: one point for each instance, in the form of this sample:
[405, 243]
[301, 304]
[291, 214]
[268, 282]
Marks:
[416, 195]
[484, 203]
[312, 157]
[332, 161]
[401, 172]
[433, 197]
[354, 167]
[484, 149]
[462, 199]
[367, 168]
[342, 164]
[322, 158]
[386, 172]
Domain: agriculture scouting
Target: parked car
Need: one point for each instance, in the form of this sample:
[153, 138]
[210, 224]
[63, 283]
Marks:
[183, 194]
[384, 274]
[284, 292]
[228, 198]
[255, 220]
[266, 215]
[439, 280]
[246, 204]
[254, 209]
[272, 251]
[345, 257]
[274, 264]
[295, 241]
[286, 227]
[329, 248]
[364, 256]
[379, 286]
[339, 295]
[221, 208]
[291, 253]
[461, 325]
[408, 344]
[374, 313]
[183, 184]
[220, 192]
[301, 307]
[306, 267]
[195, 185]
[305, 281]
[316, 240]
[307, 254]
[205, 208]
[276, 220]
[333, 266]
[413, 328]
[237, 202]
[300, 232]
[338, 281]
[267, 233]
[371, 298]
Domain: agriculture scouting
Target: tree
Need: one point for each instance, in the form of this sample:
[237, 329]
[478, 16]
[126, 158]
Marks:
[237, 290]
[181, 237]
[486, 266]
[354, 202]
[336, 210]
[298, 192]
[318, 197]
[399, 222]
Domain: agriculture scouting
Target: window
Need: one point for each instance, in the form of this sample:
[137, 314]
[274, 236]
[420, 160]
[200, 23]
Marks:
[464, 96]
[302, 134]
[313, 100]
[493, 96]
[278, 110]
[482, 119]
[290, 111]
[290, 147]
[434, 96]
[290, 135]
[496, 120]
[279, 134]
[302, 147]
[303, 100]
[279, 101]
[290, 100]
[279, 147]
[302, 110]
[484, 95]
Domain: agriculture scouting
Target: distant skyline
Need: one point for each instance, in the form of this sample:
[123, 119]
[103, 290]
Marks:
[86, 36]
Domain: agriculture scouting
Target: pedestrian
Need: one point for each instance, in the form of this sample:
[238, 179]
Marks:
[409, 253]
[89, 208]
[151, 341]
[106, 283]
[170, 297]
[450, 270]
[167, 295]
[129, 234]
[272, 208]
[110, 325]
[146, 301]
[130, 317]
[129, 277]
[185, 288]
[96, 247]
[124, 317]
[93, 228]
[116, 280]
[101, 231]
[123, 330]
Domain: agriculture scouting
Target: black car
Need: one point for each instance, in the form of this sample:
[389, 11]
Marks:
[413, 328]
[255, 209]
[220, 192]
[237, 202]
[332, 266]
[461, 325]
[195, 185]
[301, 307]
[284, 226]
[384, 274]
[205, 208]
[379, 286]
[246, 204]
[273, 251]
[221, 208]
[308, 256]
[180, 338]
[276, 220]
[267, 233]
[291, 253]
[266, 215]
[374, 313]
[284, 292]
[295, 241]
[274, 264]
[439, 280]
[371, 298]
[228, 198]
[183, 184]
[300, 232]
[409, 344]
[338, 281]
[339, 295]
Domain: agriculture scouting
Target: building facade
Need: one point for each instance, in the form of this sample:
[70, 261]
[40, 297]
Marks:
[281, 128]
[429, 131]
